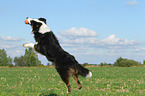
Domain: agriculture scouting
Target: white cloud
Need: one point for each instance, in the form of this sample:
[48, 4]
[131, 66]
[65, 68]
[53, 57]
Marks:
[12, 45]
[92, 46]
[7, 46]
[12, 49]
[113, 40]
[10, 38]
[91, 40]
[134, 2]
[140, 50]
[75, 33]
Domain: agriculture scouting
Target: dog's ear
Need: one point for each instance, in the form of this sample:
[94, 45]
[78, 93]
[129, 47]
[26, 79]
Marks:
[35, 26]
[42, 19]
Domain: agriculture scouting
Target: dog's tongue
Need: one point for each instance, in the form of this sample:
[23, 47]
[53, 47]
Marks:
[26, 21]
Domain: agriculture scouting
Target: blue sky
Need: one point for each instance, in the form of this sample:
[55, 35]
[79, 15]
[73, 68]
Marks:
[94, 31]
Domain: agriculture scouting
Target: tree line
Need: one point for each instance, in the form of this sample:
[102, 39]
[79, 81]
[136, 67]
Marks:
[120, 62]
[30, 58]
[124, 62]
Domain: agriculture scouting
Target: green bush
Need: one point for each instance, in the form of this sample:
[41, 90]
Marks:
[105, 65]
[85, 64]
[11, 65]
[121, 62]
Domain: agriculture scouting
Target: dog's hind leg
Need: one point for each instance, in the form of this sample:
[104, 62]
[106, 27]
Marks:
[75, 76]
[65, 78]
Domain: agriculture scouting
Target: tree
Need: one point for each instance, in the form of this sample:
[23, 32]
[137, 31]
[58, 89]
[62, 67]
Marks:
[117, 63]
[27, 56]
[143, 62]
[30, 58]
[19, 61]
[48, 64]
[10, 60]
[85, 64]
[105, 64]
[126, 62]
[101, 64]
[32, 61]
[4, 60]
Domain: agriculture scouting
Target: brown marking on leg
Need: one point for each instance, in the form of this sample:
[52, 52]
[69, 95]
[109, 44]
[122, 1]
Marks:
[67, 83]
[77, 81]
[74, 73]
[68, 88]
[65, 78]
[71, 71]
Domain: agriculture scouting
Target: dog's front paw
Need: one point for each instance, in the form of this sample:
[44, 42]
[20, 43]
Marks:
[31, 45]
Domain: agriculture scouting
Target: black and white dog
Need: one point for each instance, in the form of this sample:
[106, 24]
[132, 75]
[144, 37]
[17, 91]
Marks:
[48, 45]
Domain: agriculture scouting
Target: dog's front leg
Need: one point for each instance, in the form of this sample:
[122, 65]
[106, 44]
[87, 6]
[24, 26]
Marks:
[35, 47]
[28, 45]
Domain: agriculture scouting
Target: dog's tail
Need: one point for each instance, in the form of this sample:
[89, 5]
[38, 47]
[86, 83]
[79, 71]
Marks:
[84, 72]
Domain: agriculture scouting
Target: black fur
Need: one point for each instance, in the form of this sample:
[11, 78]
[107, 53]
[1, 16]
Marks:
[42, 19]
[49, 46]
[65, 64]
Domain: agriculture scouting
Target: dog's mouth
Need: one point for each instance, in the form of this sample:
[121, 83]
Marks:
[28, 21]
[38, 25]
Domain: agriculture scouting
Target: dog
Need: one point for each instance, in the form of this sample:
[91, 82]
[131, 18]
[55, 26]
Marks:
[47, 44]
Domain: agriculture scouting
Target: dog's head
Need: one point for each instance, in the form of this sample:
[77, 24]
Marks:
[38, 25]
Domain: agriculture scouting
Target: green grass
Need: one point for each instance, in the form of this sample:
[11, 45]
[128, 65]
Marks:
[106, 81]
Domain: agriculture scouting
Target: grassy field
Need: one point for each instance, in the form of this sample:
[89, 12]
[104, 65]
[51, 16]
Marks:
[106, 81]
